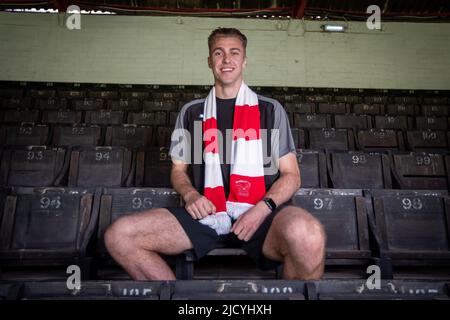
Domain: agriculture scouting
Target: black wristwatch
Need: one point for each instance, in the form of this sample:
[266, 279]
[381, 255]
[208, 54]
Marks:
[270, 203]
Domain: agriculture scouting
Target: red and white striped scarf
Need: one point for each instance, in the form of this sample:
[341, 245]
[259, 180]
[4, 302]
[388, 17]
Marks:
[247, 171]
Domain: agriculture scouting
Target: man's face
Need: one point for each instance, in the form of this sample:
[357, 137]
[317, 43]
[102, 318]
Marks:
[227, 59]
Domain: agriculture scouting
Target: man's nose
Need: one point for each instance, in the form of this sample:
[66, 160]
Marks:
[226, 58]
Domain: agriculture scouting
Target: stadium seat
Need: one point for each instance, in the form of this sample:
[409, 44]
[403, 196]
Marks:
[166, 95]
[27, 135]
[422, 170]
[148, 118]
[101, 166]
[344, 289]
[343, 214]
[129, 135]
[434, 123]
[189, 96]
[117, 202]
[153, 167]
[348, 99]
[299, 138]
[352, 121]
[96, 290]
[422, 140]
[331, 139]
[77, 136]
[163, 135]
[173, 115]
[61, 117]
[434, 100]
[104, 117]
[413, 226]
[360, 170]
[42, 93]
[305, 107]
[133, 94]
[16, 103]
[313, 168]
[124, 104]
[400, 110]
[238, 290]
[31, 217]
[311, 120]
[376, 99]
[21, 115]
[71, 94]
[166, 105]
[11, 92]
[393, 122]
[51, 104]
[379, 140]
[371, 109]
[87, 104]
[333, 108]
[407, 100]
[317, 98]
[33, 166]
[103, 94]
[435, 110]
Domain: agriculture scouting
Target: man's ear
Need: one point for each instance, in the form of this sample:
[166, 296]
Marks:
[209, 62]
[245, 62]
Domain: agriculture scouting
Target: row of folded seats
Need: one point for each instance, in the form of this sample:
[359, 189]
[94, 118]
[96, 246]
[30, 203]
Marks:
[165, 114]
[389, 228]
[132, 136]
[344, 289]
[32, 166]
[138, 99]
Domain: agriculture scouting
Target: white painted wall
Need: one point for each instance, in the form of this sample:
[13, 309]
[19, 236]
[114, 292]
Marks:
[158, 50]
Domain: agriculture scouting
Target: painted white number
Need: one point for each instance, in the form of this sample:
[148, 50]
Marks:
[429, 135]
[130, 131]
[25, 130]
[102, 156]
[162, 156]
[47, 202]
[35, 155]
[77, 130]
[318, 204]
[359, 159]
[325, 203]
[415, 204]
[139, 203]
[105, 114]
[423, 161]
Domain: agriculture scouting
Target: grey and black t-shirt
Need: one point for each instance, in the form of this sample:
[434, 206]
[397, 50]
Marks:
[187, 143]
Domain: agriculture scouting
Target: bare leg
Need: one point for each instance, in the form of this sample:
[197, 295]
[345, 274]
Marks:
[298, 240]
[136, 242]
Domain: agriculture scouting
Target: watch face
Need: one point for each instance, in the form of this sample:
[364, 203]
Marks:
[270, 203]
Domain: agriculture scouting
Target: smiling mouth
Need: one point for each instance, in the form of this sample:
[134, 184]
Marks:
[226, 70]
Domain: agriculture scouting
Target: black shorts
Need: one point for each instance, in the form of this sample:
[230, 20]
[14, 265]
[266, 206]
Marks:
[204, 239]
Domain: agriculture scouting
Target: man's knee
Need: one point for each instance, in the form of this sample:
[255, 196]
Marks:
[123, 230]
[303, 229]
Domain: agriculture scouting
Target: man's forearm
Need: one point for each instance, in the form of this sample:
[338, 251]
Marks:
[181, 183]
[284, 188]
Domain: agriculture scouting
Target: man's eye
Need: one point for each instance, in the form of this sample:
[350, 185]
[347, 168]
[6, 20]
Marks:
[218, 53]
[235, 53]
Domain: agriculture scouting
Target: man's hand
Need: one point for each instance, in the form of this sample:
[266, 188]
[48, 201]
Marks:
[198, 206]
[247, 224]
